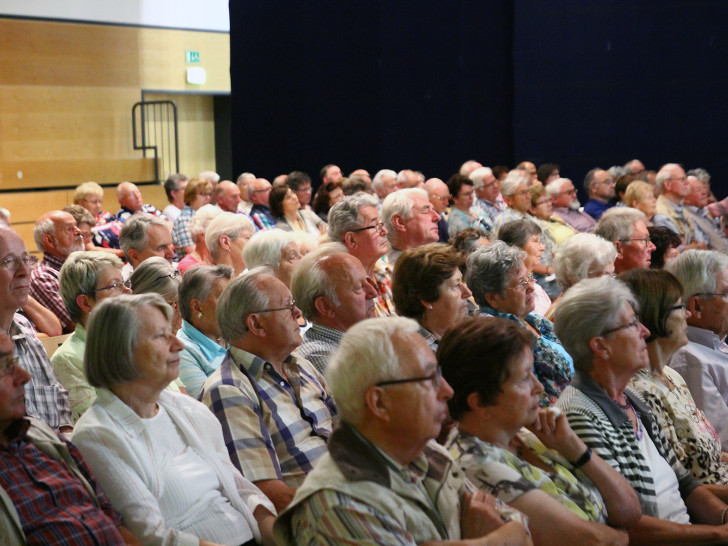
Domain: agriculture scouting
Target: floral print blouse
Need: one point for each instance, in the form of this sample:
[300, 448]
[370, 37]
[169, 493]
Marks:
[506, 476]
[689, 432]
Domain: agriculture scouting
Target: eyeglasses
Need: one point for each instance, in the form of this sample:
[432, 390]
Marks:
[378, 226]
[572, 191]
[523, 193]
[723, 295]
[117, 286]
[176, 273]
[303, 189]
[645, 240]
[290, 308]
[7, 365]
[676, 307]
[443, 198]
[435, 378]
[523, 283]
[544, 202]
[608, 182]
[424, 209]
[635, 324]
[261, 191]
[12, 263]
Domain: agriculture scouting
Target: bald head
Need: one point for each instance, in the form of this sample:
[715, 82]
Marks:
[57, 234]
[438, 193]
[260, 191]
[228, 196]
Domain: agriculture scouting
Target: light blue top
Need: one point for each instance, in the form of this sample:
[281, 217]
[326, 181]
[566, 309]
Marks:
[200, 357]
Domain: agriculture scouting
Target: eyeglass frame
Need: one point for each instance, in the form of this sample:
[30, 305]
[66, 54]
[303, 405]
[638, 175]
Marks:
[633, 324]
[290, 308]
[524, 284]
[723, 295]
[30, 261]
[434, 377]
[378, 226]
[176, 273]
[116, 286]
[645, 240]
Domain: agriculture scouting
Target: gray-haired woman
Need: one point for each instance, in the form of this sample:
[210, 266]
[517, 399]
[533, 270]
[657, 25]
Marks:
[160, 456]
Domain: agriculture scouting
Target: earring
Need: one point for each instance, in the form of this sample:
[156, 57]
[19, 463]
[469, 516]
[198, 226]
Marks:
[429, 306]
[199, 315]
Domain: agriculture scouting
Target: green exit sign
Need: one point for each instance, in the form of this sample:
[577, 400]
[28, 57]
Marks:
[192, 56]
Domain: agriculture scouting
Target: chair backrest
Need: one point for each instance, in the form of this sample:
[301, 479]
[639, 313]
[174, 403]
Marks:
[52, 343]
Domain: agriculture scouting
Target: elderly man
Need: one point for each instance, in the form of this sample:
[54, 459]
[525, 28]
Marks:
[384, 480]
[354, 221]
[47, 493]
[331, 288]
[599, 186]
[469, 166]
[361, 173]
[703, 362]
[566, 205]
[260, 211]
[487, 190]
[330, 173]
[635, 168]
[45, 398]
[275, 411]
[142, 237]
[517, 197]
[174, 187]
[626, 228]
[56, 236]
[529, 168]
[227, 196]
[674, 187]
[245, 183]
[130, 199]
[411, 221]
[407, 178]
[439, 196]
[384, 183]
[695, 210]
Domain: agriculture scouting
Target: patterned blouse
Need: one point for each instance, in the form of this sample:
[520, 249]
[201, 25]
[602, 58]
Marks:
[551, 363]
[689, 432]
[506, 476]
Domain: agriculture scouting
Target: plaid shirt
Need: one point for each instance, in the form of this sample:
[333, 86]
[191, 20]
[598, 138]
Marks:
[45, 397]
[262, 217]
[44, 287]
[51, 500]
[319, 343]
[382, 283]
[181, 236]
[274, 429]
[123, 214]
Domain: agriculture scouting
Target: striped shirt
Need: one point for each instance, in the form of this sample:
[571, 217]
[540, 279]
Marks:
[262, 217]
[45, 288]
[274, 428]
[319, 343]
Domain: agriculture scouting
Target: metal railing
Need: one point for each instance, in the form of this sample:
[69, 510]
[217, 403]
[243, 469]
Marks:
[154, 128]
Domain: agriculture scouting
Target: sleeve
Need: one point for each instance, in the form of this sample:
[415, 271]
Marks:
[80, 394]
[584, 425]
[244, 431]
[497, 478]
[331, 518]
[120, 473]
[44, 288]
[663, 221]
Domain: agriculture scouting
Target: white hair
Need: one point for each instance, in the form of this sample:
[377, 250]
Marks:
[344, 215]
[211, 176]
[665, 173]
[312, 279]
[400, 202]
[515, 178]
[580, 256]
[556, 186]
[697, 270]
[226, 223]
[202, 218]
[366, 356]
[478, 175]
[264, 248]
[377, 180]
[617, 223]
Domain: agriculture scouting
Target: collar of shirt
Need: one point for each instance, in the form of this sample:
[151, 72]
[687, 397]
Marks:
[325, 333]
[53, 261]
[255, 366]
[704, 337]
[208, 347]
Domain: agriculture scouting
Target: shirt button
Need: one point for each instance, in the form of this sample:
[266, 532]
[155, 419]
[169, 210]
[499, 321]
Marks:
[283, 383]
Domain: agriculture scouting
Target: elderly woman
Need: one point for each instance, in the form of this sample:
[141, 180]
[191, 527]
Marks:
[517, 196]
[461, 216]
[547, 472]
[91, 196]
[581, 257]
[276, 249]
[160, 456]
[526, 235]
[198, 227]
[502, 287]
[326, 197]
[667, 246]
[598, 324]
[204, 349]
[158, 275]
[226, 237]
[285, 208]
[427, 285]
[689, 432]
[641, 196]
[86, 279]
[197, 193]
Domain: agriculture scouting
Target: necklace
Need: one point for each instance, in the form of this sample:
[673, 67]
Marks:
[639, 433]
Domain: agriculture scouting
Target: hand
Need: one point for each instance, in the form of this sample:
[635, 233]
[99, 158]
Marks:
[553, 429]
[478, 515]
[512, 533]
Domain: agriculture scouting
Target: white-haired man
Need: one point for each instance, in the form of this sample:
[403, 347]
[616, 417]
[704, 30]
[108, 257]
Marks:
[56, 236]
[487, 191]
[142, 237]
[703, 362]
[131, 202]
[331, 288]
[384, 480]
[410, 219]
[599, 185]
[407, 178]
[695, 209]
[674, 187]
[384, 183]
[516, 195]
[245, 183]
[566, 205]
[274, 407]
[626, 228]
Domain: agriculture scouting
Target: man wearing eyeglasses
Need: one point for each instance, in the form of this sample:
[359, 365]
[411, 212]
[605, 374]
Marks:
[275, 410]
[384, 480]
[675, 187]
[599, 185]
[703, 362]
[487, 190]
[626, 228]
[410, 219]
[260, 213]
[566, 205]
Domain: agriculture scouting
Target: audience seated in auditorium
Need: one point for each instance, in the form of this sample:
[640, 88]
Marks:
[626, 228]
[326, 197]
[198, 228]
[695, 210]
[674, 187]
[144, 443]
[566, 205]
[331, 289]
[142, 237]
[462, 214]
[427, 286]
[555, 229]
[174, 187]
[641, 196]
[599, 186]
[204, 347]
[598, 324]
[45, 397]
[526, 456]
[530, 169]
[86, 279]
[356, 183]
[502, 287]
[157, 275]
[131, 202]
[410, 220]
[275, 410]
[198, 193]
[469, 166]
[517, 197]
[226, 237]
[300, 183]
[260, 211]
[384, 480]
[213, 178]
[547, 173]
[56, 236]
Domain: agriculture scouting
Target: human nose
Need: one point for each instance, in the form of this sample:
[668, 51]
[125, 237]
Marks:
[436, 215]
[445, 390]
[175, 344]
[369, 290]
[651, 246]
[296, 312]
[465, 292]
[537, 385]
[20, 375]
[169, 252]
[644, 332]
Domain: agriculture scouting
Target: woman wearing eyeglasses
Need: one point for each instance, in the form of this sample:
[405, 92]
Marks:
[597, 322]
[86, 278]
[461, 216]
[502, 286]
[691, 435]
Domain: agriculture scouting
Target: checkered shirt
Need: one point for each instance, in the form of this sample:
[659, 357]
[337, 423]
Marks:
[45, 288]
[181, 236]
[319, 343]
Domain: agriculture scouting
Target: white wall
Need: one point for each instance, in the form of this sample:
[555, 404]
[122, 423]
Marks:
[188, 14]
